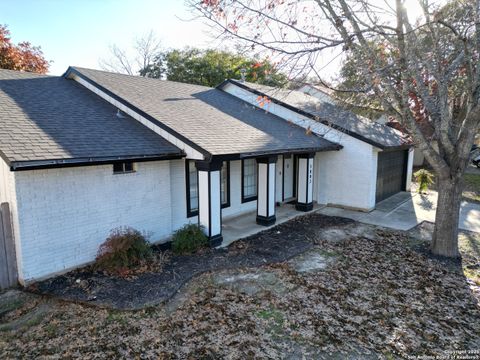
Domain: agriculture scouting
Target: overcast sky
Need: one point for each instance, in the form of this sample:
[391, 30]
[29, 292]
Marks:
[79, 32]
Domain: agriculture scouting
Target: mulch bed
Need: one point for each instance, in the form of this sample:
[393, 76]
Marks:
[274, 245]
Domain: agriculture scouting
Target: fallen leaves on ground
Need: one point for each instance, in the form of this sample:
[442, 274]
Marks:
[378, 297]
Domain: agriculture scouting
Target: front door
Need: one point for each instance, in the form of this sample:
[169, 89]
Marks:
[288, 176]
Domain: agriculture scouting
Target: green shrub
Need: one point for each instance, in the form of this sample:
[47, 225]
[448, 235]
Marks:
[424, 178]
[188, 239]
[124, 248]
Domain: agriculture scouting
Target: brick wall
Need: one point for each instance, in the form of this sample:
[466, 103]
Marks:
[65, 214]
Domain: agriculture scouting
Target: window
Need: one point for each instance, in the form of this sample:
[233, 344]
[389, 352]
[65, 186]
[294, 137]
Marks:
[249, 180]
[225, 184]
[123, 167]
[192, 187]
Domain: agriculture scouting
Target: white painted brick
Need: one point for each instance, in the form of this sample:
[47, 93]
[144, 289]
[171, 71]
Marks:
[65, 214]
[236, 206]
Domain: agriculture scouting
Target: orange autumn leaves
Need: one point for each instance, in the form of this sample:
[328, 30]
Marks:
[263, 101]
[21, 57]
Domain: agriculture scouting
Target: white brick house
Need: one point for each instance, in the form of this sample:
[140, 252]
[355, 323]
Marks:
[89, 151]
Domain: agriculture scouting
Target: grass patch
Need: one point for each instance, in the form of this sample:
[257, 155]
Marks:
[329, 254]
[472, 187]
[276, 319]
[472, 274]
[51, 330]
[473, 180]
[27, 321]
[469, 245]
[271, 314]
[10, 306]
[115, 316]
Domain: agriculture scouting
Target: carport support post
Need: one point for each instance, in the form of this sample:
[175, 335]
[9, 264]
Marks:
[209, 203]
[305, 182]
[266, 190]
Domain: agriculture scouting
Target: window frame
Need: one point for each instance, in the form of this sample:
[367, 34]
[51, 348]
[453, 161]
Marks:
[123, 163]
[227, 203]
[190, 212]
[254, 197]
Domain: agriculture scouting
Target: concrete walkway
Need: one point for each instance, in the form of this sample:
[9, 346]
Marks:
[245, 225]
[405, 210]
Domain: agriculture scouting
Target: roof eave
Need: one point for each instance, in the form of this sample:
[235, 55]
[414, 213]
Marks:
[77, 162]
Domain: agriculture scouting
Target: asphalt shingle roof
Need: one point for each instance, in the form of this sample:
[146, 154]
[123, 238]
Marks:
[379, 135]
[53, 118]
[216, 122]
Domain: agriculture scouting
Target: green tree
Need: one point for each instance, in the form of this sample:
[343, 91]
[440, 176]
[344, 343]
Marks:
[351, 89]
[211, 67]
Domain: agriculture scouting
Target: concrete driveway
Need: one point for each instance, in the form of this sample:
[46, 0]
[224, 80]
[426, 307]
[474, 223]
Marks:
[405, 210]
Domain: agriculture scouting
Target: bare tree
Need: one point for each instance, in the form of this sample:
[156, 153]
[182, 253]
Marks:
[147, 48]
[426, 68]
[131, 62]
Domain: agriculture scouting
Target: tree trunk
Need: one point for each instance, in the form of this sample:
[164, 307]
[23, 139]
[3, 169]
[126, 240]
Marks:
[445, 234]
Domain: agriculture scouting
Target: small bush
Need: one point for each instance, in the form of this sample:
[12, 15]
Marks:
[124, 248]
[424, 178]
[188, 239]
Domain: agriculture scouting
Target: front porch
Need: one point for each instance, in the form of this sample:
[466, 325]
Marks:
[267, 182]
[244, 225]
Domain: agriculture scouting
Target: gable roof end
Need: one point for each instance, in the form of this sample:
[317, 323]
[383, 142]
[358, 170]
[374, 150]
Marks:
[330, 114]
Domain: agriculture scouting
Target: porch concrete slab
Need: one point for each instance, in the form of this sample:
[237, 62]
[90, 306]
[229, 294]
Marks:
[406, 210]
[245, 225]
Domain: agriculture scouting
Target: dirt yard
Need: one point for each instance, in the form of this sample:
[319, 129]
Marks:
[358, 291]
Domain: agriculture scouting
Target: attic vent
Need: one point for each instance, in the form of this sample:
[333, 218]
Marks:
[120, 114]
